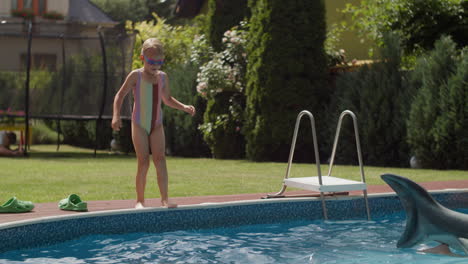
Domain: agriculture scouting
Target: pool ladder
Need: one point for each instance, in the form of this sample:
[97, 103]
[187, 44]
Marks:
[325, 183]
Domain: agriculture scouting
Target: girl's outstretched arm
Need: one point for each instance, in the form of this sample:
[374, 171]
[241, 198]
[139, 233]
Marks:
[172, 102]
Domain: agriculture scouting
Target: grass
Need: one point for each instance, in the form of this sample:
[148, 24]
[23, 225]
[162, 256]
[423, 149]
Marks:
[48, 176]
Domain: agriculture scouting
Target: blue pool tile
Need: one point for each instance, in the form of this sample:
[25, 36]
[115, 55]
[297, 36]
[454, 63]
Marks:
[47, 233]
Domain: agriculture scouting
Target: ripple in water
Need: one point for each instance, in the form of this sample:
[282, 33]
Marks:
[311, 242]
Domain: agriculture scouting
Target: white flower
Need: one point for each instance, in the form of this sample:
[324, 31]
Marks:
[201, 87]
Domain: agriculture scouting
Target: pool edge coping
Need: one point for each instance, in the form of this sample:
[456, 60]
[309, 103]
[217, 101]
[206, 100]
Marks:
[208, 205]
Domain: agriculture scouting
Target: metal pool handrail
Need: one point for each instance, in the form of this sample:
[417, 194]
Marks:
[293, 145]
[310, 183]
[359, 153]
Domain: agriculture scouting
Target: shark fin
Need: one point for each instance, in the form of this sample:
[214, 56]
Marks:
[463, 244]
[412, 234]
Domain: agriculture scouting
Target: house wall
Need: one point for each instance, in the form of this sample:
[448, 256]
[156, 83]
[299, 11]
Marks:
[11, 48]
[350, 41]
[46, 41]
[15, 47]
[60, 6]
[5, 8]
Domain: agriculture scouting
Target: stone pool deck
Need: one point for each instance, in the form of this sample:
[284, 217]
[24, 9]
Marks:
[51, 209]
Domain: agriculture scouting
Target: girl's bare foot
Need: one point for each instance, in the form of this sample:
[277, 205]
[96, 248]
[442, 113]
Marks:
[168, 204]
[139, 206]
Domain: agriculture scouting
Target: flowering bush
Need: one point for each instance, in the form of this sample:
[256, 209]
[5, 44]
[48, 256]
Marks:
[24, 13]
[200, 51]
[212, 78]
[221, 81]
[337, 58]
[222, 125]
[225, 71]
[53, 15]
[224, 121]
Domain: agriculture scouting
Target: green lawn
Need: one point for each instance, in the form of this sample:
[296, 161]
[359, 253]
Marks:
[48, 176]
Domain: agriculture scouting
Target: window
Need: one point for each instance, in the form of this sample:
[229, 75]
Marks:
[27, 4]
[38, 6]
[40, 61]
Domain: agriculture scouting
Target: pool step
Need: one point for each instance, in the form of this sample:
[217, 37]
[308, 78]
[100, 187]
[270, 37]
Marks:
[327, 183]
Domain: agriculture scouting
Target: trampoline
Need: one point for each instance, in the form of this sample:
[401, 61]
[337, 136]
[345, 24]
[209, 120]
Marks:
[89, 69]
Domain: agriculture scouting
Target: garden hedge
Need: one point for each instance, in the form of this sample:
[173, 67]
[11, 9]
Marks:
[438, 120]
[380, 97]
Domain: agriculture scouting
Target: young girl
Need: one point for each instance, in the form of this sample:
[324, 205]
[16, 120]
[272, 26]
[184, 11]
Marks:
[150, 86]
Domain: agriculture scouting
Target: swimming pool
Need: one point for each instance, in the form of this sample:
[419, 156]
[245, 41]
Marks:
[272, 231]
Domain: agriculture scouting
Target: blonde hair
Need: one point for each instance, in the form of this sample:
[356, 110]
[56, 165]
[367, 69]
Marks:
[152, 43]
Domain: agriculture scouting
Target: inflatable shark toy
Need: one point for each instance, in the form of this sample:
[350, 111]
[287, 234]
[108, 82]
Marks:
[426, 219]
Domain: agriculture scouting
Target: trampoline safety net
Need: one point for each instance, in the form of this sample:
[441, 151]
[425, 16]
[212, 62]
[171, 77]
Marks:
[70, 76]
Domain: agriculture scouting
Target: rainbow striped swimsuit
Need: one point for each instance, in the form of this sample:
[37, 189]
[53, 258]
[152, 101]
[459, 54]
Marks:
[147, 103]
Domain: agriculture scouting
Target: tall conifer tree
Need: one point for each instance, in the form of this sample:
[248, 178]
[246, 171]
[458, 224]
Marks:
[286, 74]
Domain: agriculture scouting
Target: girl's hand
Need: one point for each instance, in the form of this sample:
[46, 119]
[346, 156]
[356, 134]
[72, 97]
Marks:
[190, 109]
[116, 124]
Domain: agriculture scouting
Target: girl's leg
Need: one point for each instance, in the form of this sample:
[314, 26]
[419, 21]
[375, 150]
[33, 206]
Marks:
[141, 143]
[158, 146]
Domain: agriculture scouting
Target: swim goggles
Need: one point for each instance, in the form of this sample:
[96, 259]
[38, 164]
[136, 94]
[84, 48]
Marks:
[153, 62]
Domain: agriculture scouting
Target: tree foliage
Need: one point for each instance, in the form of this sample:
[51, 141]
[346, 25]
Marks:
[422, 22]
[286, 73]
[221, 81]
[419, 22]
[378, 95]
[438, 120]
[136, 10]
[222, 16]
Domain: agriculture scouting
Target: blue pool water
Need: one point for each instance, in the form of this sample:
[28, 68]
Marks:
[303, 241]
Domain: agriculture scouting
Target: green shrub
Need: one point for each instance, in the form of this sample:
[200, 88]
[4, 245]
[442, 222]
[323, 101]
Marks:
[182, 135]
[82, 96]
[43, 134]
[286, 73]
[378, 94]
[221, 81]
[12, 88]
[82, 133]
[437, 123]
[135, 10]
[222, 16]
[177, 40]
[421, 23]
[222, 124]
[12, 91]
